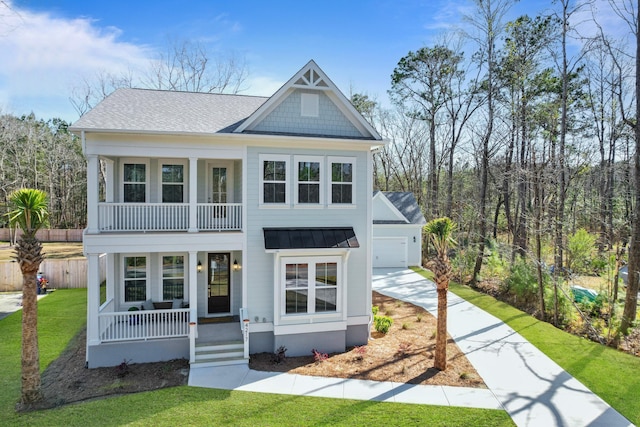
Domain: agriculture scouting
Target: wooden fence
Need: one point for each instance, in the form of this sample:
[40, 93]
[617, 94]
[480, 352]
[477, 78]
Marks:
[61, 273]
[48, 235]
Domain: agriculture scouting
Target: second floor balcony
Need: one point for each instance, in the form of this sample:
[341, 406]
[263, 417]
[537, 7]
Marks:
[157, 194]
[142, 217]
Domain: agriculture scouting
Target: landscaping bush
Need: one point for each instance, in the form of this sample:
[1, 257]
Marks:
[522, 281]
[382, 323]
[580, 246]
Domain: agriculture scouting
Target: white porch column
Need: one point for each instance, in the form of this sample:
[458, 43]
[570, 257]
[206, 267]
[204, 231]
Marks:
[93, 299]
[109, 181]
[111, 276]
[193, 194]
[92, 193]
[193, 286]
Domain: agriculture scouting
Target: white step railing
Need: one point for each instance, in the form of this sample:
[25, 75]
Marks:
[168, 216]
[143, 325]
[219, 216]
[244, 327]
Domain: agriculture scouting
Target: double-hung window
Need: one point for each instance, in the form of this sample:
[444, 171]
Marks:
[134, 180]
[135, 278]
[172, 183]
[274, 183]
[342, 180]
[308, 180]
[172, 277]
[311, 285]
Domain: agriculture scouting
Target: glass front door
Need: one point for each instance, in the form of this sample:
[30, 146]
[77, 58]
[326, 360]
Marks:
[219, 284]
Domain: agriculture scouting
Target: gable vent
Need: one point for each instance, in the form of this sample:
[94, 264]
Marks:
[311, 79]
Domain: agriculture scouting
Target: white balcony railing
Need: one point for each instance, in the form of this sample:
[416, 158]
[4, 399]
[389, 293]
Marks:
[219, 216]
[143, 325]
[168, 216]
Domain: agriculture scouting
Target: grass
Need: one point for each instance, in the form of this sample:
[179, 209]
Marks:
[609, 373]
[62, 315]
[56, 250]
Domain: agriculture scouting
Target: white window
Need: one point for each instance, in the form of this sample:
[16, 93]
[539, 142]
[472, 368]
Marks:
[311, 285]
[172, 179]
[342, 172]
[135, 274]
[135, 176]
[274, 179]
[172, 277]
[308, 175]
[309, 105]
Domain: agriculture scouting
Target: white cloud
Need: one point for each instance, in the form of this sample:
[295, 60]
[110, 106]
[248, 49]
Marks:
[44, 56]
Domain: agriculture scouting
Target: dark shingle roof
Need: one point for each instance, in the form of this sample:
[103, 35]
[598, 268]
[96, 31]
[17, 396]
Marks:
[158, 111]
[406, 203]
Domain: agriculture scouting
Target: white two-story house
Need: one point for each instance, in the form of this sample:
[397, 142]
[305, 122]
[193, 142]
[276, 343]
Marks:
[227, 225]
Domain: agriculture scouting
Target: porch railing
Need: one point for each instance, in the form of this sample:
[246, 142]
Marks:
[244, 327]
[219, 216]
[168, 216]
[143, 325]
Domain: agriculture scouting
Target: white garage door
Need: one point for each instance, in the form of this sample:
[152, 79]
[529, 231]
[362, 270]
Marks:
[390, 252]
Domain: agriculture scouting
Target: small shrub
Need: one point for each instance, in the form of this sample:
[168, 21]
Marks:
[406, 325]
[522, 281]
[580, 245]
[360, 351]
[318, 356]
[399, 303]
[280, 354]
[389, 311]
[382, 323]
[375, 310]
[123, 368]
[434, 334]
[419, 317]
[403, 349]
[464, 376]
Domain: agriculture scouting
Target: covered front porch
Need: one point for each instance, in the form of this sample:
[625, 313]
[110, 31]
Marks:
[171, 304]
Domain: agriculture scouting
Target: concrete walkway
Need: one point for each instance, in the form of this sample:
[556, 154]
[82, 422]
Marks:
[532, 388]
[521, 379]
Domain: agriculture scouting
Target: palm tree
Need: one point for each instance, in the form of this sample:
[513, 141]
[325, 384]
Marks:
[29, 214]
[439, 231]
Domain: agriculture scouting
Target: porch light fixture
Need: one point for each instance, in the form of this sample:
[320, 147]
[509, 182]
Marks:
[199, 267]
[236, 266]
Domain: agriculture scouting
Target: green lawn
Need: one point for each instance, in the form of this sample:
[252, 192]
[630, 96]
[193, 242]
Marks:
[611, 374]
[62, 315]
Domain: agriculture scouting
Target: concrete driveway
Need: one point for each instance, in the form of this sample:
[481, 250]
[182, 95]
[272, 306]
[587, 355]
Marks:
[532, 388]
[11, 302]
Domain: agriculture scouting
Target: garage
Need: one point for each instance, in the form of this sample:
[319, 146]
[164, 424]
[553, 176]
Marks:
[390, 252]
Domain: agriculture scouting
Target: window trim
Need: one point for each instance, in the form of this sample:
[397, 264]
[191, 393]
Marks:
[311, 261]
[330, 161]
[287, 166]
[321, 181]
[185, 179]
[185, 272]
[147, 177]
[147, 278]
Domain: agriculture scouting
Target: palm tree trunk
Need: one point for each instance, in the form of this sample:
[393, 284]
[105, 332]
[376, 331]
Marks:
[440, 362]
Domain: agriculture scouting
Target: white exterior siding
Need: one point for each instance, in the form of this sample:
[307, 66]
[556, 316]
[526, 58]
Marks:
[261, 277]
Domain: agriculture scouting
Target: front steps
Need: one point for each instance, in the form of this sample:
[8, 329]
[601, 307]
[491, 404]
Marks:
[220, 354]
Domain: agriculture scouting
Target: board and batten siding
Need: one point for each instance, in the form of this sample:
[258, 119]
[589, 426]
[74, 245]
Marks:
[260, 276]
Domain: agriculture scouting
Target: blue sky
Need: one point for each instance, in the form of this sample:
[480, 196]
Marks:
[48, 47]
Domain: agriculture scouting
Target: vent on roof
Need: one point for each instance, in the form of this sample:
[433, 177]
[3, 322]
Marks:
[311, 79]
[309, 105]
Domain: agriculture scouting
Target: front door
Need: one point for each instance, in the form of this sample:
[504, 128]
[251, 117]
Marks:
[219, 285]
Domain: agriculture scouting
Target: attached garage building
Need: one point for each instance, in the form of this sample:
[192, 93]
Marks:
[397, 230]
